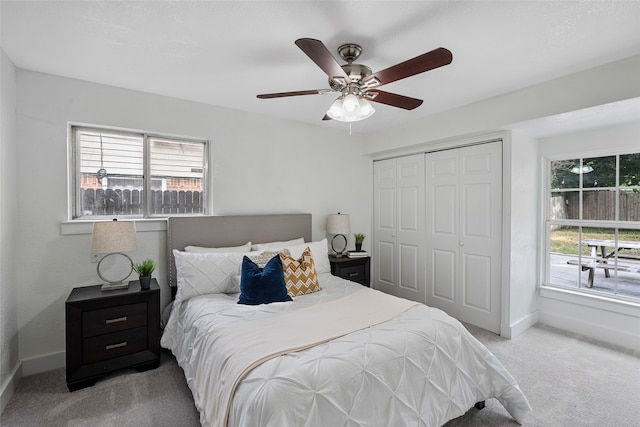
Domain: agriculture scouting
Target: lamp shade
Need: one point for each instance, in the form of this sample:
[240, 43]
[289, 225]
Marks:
[113, 236]
[338, 224]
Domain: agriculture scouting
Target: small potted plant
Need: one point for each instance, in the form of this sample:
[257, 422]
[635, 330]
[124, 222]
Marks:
[144, 270]
[359, 239]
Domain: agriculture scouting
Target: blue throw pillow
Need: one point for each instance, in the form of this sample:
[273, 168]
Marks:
[262, 285]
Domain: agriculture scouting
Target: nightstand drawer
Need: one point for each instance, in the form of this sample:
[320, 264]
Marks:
[108, 346]
[355, 273]
[356, 269]
[113, 319]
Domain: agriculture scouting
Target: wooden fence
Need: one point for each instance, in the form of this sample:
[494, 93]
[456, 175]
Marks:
[130, 202]
[598, 205]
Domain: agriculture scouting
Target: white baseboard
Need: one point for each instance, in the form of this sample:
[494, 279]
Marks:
[44, 363]
[517, 328]
[10, 386]
[592, 330]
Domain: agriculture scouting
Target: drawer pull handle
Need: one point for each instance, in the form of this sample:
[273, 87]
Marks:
[353, 274]
[112, 346]
[116, 320]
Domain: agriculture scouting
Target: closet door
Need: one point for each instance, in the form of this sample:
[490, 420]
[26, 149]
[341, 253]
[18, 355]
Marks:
[464, 233]
[384, 226]
[399, 227]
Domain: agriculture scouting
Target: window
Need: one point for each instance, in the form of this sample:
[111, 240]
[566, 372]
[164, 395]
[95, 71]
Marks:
[135, 174]
[593, 224]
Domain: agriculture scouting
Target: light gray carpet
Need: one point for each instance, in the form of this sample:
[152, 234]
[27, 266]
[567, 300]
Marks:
[570, 381]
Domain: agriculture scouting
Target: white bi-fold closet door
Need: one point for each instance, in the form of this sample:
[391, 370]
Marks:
[438, 230]
[399, 234]
[464, 233]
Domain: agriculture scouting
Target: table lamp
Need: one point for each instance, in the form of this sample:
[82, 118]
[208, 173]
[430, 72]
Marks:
[113, 238]
[338, 225]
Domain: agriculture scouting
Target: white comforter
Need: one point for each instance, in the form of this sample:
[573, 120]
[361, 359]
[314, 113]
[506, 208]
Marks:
[421, 368]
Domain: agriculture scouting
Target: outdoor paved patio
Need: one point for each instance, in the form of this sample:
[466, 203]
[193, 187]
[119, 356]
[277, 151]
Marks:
[566, 275]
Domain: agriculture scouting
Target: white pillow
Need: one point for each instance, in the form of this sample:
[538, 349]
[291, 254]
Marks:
[277, 245]
[207, 273]
[319, 252]
[199, 249]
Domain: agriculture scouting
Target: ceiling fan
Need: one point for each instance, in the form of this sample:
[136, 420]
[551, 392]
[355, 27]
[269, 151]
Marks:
[357, 84]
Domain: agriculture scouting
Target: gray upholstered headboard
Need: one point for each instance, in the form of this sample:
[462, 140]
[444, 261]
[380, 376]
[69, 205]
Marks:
[235, 230]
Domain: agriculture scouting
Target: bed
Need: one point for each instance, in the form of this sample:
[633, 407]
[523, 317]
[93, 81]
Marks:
[344, 355]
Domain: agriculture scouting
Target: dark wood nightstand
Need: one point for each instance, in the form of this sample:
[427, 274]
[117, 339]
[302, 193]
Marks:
[354, 269]
[110, 330]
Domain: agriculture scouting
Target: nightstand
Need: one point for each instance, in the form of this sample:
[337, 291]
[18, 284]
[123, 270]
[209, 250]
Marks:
[354, 269]
[111, 330]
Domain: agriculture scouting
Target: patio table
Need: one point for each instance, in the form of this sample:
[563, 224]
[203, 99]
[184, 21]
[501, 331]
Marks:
[599, 260]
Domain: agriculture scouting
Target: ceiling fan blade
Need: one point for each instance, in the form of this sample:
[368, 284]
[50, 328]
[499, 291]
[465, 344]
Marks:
[319, 54]
[297, 93]
[425, 62]
[393, 99]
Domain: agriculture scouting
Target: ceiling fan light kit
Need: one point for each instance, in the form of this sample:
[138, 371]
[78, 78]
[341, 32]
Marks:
[357, 84]
[350, 108]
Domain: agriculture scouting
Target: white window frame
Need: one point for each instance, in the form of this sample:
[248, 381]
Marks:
[74, 175]
[599, 298]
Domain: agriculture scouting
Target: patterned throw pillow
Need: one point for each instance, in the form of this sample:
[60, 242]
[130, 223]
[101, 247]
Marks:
[262, 258]
[300, 274]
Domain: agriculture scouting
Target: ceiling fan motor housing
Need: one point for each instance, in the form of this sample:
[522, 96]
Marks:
[356, 72]
[349, 51]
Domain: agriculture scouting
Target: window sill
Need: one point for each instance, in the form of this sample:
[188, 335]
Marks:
[86, 226]
[600, 302]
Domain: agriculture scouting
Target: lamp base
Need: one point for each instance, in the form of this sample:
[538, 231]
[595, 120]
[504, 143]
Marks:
[335, 252]
[115, 281]
[114, 286]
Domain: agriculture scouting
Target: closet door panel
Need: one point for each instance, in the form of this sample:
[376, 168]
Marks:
[409, 203]
[464, 228]
[444, 218]
[481, 234]
[477, 212]
[442, 196]
[399, 227]
[408, 280]
[476, 282]
[411, 228]
[443, 276]
[386, 271]
[386, 215]
[384, 223]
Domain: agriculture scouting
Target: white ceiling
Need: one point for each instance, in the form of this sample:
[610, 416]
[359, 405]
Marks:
[226, 52]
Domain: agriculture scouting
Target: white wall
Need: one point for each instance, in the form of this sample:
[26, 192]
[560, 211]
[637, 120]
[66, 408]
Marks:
[597, 86]
[259, 165]
[616, 323]
[9, 362]
[521, 179]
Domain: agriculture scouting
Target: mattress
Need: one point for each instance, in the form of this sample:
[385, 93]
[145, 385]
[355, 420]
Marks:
[422, 367]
